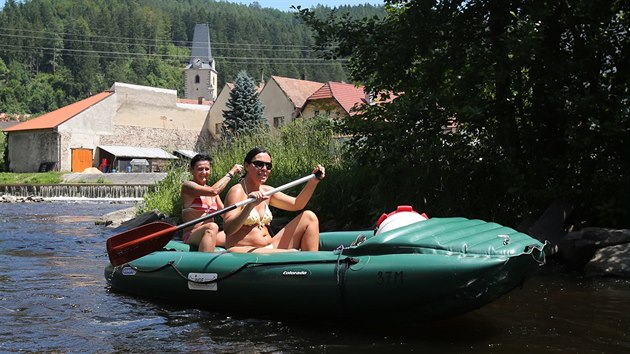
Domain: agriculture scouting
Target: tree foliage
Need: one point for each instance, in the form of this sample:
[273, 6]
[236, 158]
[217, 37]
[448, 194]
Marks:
[81, 47]
[245, 111]
[539, 91]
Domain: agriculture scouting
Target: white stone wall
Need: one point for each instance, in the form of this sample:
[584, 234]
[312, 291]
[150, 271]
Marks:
[166, 139]
[128, 94]
[147, 107]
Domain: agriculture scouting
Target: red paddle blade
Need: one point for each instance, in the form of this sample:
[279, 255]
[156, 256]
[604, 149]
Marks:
[137, 242]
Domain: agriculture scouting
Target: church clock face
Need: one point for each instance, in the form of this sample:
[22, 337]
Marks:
[197, 63]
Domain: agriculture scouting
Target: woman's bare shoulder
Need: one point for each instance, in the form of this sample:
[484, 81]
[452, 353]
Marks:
[234, 191]
[189, 185]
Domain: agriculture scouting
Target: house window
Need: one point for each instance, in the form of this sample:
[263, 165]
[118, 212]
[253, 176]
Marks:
[278, 121]
[217, 128]
[196, 79]
[316, 113]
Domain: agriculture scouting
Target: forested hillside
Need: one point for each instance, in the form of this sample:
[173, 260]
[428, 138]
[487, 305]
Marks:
[53, 53]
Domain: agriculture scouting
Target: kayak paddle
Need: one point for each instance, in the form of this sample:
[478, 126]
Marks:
[142, 240]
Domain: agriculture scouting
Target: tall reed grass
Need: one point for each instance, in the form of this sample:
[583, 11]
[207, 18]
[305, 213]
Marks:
[296, 149]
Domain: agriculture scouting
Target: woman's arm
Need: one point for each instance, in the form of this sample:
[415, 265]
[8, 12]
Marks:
[286, 202]
[289, 203]
[196, 190]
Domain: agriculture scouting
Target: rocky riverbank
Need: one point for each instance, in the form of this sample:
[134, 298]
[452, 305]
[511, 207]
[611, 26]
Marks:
[13, 199]
[592, 251]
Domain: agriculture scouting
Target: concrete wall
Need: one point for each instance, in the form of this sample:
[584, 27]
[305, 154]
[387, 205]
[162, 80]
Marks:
[276, 103]
[128, 94]
[27, 150]
[149, 107]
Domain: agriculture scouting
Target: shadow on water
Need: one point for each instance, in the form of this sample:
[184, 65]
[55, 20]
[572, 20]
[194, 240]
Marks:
[551, 313]
[196, 329]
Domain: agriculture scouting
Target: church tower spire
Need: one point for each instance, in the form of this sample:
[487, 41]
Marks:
[200, 73]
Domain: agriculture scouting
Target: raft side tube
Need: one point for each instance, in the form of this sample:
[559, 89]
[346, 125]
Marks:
[328, 241]
[287, 280]
[457, 235]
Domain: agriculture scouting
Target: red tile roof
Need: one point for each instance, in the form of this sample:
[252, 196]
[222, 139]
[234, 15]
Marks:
[61, 115]
[323, 93]
[347, 95]
[298, 91]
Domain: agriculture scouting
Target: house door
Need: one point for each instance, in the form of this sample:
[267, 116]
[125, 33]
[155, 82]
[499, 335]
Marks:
[81, 159]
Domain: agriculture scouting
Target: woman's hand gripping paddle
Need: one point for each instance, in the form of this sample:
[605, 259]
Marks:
[140, 241]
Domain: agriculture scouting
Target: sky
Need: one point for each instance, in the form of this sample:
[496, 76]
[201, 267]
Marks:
[285, 5]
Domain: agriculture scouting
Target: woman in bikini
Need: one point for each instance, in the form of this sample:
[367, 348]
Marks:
[247, 227]
[199, 199]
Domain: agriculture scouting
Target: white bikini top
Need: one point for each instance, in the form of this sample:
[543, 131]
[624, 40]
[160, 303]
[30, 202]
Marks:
[254, 217]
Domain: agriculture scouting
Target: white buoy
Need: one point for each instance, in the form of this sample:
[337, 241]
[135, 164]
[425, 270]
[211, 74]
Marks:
[403, 216]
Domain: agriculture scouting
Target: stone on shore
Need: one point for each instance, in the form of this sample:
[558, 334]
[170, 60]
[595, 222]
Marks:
[116, 218]
[594, 250]
[142, 219]
[610, 261]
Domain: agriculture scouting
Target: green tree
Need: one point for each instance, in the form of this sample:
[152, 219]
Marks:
[245, 111]
[82, 59]
[95, 43]
[538, 90]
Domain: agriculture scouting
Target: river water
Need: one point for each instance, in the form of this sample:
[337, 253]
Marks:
[54, 298]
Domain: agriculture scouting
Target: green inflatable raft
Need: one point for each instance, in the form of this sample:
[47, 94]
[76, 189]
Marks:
[427, 270]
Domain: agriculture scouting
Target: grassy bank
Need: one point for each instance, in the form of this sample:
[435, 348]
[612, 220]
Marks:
[31, 178]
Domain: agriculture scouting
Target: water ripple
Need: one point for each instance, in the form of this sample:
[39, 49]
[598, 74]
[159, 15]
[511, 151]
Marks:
[53, 297]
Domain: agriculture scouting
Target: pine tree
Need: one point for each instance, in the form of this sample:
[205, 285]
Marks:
[245, 111]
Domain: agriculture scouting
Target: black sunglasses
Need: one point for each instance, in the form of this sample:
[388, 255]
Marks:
[261, 164]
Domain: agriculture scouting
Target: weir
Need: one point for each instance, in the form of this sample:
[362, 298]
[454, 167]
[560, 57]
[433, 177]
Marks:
[92, 191]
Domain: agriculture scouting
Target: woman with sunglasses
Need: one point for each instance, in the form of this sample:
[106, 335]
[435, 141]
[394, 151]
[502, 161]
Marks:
[247, 227]
[199, 199]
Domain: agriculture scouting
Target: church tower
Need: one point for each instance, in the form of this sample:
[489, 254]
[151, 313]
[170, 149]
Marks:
[201, 76]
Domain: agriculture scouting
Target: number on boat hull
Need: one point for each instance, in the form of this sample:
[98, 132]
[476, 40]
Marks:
[387, 278]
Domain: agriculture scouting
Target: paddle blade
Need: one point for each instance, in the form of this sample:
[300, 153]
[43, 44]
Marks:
[140, 241]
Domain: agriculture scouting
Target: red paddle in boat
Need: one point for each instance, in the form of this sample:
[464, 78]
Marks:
[140, 241]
